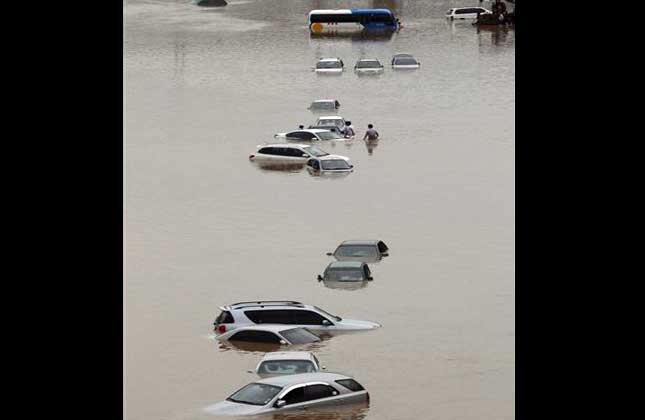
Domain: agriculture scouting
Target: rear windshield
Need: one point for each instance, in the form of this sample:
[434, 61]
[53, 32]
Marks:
[286, 367]
[224, 318]
[336, 164]
[328, 135]
[357, 251]
[328, 65]
[300, 336]
[255, 394]
[368, 64]
[344, 274]
[315, 151]
[323, 105]
[336, 122]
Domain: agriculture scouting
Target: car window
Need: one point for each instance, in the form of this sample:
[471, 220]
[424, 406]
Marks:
[307, 318]
[286, 367]
[300, 336]
[224, 317]
[295, 396]
[268, 151]
[315, 165]
[328, 135]
[344, 274]
[357, 251]
[295, 135]
[308, 136]
[315, 151]
[335, 164]
[256, 337]
[319, 391]
[461, 11]
[350, 384]
[255, 394]
[382, 247]
[269, 316]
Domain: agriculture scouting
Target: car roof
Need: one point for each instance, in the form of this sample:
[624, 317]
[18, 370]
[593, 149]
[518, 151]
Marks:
[314, 130]
[325, 100]
[288, 355]
[291, 145]
[332, 157]
[331, 117]
[403, 55]
[329, 59]
[368, 59]
[347, 264]
[288, 380]
[260, 303]
[361, 242]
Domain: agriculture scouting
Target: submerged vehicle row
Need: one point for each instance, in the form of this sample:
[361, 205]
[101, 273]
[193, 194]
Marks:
[363, 65]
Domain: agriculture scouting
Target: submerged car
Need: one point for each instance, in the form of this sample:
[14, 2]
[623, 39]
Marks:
[330, 163]
[466, 12]
[329, 65]
[405, 61]
[288, 363]
[346, 271]
[292, 392]
[313, 134]
[363, 251]
[275, 334]
[324, 105]
[287, 152]
[283, 312]
[368, 66]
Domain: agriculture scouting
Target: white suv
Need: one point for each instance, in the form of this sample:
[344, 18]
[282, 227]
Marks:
[285, 312]
[466, 12]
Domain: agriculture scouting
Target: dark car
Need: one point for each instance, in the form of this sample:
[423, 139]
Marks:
[363, 251]
[346, 271]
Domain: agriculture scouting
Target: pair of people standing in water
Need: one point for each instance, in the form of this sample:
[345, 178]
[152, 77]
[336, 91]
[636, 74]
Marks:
[348, 131]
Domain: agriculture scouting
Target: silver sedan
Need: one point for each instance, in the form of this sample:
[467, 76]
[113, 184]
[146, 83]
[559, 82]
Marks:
[292, 392]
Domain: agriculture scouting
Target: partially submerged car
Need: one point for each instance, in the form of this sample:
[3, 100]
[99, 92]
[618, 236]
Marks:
[355, 271]
[330, 163]
[363, 251]
[368, 66]
[324, 105]
[405, 61]
[292, 392]
[466, 12]
[282, 312]
[329, 65]
[288, 363]
[287, 152]
[274, 334]
[313, 134]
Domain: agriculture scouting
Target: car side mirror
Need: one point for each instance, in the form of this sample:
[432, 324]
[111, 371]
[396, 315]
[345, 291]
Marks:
[280, 403]
[370, 278]
[249, 371]
[385, 254]
[326, 323]
[283, 342]
[304, 155]
[320, 277]
[329, 254]
[323, 367]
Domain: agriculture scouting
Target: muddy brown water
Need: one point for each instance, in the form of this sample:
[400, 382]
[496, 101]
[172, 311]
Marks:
[205, 227]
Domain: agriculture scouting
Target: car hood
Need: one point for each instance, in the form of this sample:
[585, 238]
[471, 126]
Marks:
[359, 324]
[230, 408]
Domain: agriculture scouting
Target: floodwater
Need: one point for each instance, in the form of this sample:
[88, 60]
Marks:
[205, 227]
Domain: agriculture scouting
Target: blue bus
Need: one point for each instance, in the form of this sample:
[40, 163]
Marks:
[337, 19]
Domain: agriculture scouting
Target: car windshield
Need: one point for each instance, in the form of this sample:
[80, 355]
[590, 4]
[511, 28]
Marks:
[337, 318]
[371, 64]
[335, 164]
[328, 65]
[357, 251]
[328, 135]
[344, 274]
[323, 105]
[255, 394]
[406, 61]
[286, 367]
[300, 336]
[314, 151]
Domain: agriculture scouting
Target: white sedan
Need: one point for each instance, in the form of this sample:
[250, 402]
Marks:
[313, 134]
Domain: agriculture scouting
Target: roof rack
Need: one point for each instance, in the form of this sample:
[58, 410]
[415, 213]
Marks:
[264, 302]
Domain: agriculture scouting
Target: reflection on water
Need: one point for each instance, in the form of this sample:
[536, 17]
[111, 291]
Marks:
[355, 411]
[250, 347]
[345, 285]
[279, 166]
[362, 35]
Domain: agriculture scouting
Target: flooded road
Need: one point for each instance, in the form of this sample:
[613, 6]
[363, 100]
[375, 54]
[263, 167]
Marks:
[205, 227]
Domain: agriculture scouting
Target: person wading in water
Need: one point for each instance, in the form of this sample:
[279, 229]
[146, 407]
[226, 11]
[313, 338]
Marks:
[370, 134]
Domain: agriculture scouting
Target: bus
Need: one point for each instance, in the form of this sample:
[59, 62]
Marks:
[359, 19]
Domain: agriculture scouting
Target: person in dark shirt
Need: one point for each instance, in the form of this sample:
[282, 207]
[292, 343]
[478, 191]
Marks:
[370, 134]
